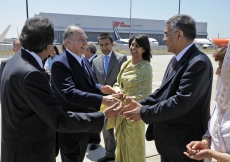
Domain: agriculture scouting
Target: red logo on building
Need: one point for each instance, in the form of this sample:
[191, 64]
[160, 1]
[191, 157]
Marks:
[120, 24]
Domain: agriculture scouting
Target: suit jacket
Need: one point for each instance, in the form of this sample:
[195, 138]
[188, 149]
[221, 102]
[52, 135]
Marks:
[91, 62]
[115, 63]
[31, 116]
[73, 89]
[180, 109]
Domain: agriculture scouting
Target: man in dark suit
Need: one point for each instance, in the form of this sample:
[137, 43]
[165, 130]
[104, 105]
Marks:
[106, 68]
[30, 114]
[76, 89]
[90, 52]
[179, 110]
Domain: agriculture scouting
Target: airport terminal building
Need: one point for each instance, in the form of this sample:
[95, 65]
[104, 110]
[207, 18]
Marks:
[95, 25]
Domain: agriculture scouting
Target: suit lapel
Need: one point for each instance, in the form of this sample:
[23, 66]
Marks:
[88, 67]
[73, 63]
[111, 63]
[178, 65]
[101, 65]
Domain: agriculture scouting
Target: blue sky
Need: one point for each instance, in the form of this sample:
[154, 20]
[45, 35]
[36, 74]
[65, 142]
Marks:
[214, 12]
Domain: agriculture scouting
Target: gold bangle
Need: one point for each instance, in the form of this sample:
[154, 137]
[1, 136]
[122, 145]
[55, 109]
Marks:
[219, 159]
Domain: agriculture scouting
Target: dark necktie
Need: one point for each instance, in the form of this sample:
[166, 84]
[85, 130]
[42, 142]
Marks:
[173, 64]
[84, 70]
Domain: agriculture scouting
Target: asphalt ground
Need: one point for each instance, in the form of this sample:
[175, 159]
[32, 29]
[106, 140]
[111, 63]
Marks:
[159, 63]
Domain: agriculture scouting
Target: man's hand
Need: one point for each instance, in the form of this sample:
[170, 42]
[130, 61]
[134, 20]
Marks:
[131, 111]
[107, 89]
[109, 100]
[113, 110]
[120, 96]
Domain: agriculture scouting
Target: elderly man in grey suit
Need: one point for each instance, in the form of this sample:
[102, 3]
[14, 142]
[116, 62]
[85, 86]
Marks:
[106, 68]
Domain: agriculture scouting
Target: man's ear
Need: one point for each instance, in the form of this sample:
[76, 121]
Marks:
[49, 48]
[112, 43]
[180, 35]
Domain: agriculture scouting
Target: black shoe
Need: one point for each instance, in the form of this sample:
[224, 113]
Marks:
[93, 146]
[105, 159]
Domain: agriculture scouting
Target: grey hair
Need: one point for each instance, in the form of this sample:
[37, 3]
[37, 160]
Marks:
[91, 47]
[184, 23]
[69, 32]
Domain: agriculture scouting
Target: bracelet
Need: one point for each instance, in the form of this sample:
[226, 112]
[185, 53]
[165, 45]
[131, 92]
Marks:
[219, 159]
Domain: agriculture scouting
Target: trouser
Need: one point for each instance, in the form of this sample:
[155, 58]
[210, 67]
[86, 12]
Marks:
[110, 143]
[73, 151]
[95, 138]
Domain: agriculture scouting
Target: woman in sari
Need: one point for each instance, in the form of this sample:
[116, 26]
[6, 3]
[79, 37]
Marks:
[135, 80]
[215, 144]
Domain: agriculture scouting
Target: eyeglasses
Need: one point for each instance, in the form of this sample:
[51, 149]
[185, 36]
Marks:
[166, 34]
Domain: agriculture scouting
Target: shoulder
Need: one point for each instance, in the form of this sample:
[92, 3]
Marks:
[96, 59]
[119, 55]
[61, 60]
[4, 61]
[146, 66]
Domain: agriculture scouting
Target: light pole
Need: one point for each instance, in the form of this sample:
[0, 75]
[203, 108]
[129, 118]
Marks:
[130, 18]
[179, 8]
[27, 9]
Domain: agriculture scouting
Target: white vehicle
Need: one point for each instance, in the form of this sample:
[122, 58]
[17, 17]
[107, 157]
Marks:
[152, 41]
[204, 42]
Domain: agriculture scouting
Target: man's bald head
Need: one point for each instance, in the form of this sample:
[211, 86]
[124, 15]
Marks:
[16, 46]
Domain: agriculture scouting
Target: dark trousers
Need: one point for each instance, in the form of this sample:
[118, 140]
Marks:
[95, 138]
[110, 142]
[164, 159]
[73, 151]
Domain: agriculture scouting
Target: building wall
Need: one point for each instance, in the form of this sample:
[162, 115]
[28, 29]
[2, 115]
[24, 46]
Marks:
[95, 25]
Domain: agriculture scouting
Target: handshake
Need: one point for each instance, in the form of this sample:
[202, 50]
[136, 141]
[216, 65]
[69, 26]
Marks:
[115, 104]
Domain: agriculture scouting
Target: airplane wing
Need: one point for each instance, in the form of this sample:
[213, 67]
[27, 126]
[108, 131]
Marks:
[3, 35]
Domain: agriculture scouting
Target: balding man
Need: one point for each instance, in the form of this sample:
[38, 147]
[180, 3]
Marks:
[76, 90]
[16, 48]
[90, 52]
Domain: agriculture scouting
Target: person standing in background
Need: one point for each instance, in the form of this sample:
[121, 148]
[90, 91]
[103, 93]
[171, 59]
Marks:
[106, 68]
[16, 47]
[90, 52]
[50, 60]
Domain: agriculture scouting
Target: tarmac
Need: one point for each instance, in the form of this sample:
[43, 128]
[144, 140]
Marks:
[159, 63]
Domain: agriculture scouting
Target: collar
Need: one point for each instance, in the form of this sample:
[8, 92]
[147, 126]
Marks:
[75, 56]
[179, 56]
[108, 54]
[92, 57]
[37, 58]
